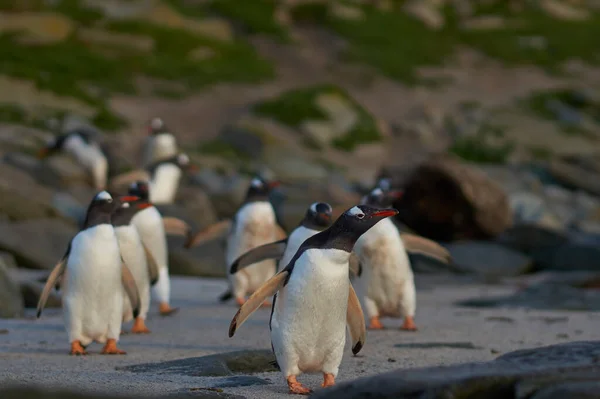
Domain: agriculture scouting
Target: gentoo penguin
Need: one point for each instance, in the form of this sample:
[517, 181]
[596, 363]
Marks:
[137, 256]
[152, 228]
[95, 272]
[387, 285]
[163, 177]
[253, 225]
[88, 152]
[314, 300]
[316, 219]
[159, 144]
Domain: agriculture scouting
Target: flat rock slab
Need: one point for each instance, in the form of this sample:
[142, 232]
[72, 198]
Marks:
[222, 364]
[572, 367]
[33, 393]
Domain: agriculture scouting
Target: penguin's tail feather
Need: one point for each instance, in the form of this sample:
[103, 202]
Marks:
[227, 295]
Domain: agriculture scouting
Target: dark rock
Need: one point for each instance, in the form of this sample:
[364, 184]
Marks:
[447, 200]
[44, 393]
[205, 393]
[577, 173]
[31, 291]
[571, 390]
[218, 365]
[517, 375]
[490, 259]
[528, 238]
[543, 296]
[37, 244]
[435, 345]
[243, 140]
[197, 205]
[500, 319]
[7, 260]
[240, 381]
[61, 171]
[568, 257]
[11, 302]
[207, 260]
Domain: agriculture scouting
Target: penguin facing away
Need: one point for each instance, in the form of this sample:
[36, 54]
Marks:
[95, 273]
[163, 177]
[253, 225]
[152, 228]
[159, 144]
[82, 146]
[386, 285]
[137, 256]
[316, 219]
[314, 300]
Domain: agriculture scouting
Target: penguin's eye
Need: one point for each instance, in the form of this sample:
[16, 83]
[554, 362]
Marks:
[109, 200]
[360, 216]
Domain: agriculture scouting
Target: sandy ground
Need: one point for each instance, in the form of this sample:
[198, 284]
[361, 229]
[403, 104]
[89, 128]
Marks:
[35, 352]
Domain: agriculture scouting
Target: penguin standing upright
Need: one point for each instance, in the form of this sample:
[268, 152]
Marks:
[137, 256]
[253, 225]
[95, 272]
[387, 285]
[316, 219]
[151, 227]
[163, 177]
[159, 144]
[88, 152]
[314, 300]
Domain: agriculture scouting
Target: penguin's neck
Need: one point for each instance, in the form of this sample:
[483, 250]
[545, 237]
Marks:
[95, 219]
[310, 224]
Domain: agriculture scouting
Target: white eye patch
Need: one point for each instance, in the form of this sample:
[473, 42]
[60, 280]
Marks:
[256, 182]
[313, 207]
[183, 159]
[103, 196]
[156, 123]
[377, 192]
[125, 205]
[357, 212]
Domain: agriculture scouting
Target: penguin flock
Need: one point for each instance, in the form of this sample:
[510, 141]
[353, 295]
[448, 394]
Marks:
[118, 261]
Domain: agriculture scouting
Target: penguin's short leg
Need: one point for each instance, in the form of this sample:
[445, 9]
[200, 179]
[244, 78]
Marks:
[114, 328]
[296, 387]
[372, 314]
[239, 283]
[74, 327]
[162, 291]
[328, 380]
[408, 304]
[139, 326]
[77, 348]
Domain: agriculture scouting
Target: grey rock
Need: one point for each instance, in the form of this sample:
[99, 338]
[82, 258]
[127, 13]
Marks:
[11, 302]
[68, 207]
[61, 171]
[36, 244]
[543, 296]
[8, 260]
[244, 141]
[24, 162]
[571, 390]
[528, 238]
[519, 375]
[435, 345]
[490, 259]
[204, 393]
[42, 393]
[568, 257]
[240, 381]
[207, 260]
[218, 365]
[197, 205]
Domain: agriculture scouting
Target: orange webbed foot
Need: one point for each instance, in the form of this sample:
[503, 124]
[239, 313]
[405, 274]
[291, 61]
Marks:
[375, 324]
[409, 324]
[166, 310]
[111, 348]
[297, 388]
[139, 326]
[77, 349]
[328, 380]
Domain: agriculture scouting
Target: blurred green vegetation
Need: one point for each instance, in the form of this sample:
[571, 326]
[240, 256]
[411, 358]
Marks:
[294, 107]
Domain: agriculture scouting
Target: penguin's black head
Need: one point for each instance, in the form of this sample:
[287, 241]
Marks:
[57, 143]
[157, 126]
[381, 198]
[100, 209]
[260, 189]
[384, 183]
[318, 215]
[140, 189]
[128, 206]
[358, 219]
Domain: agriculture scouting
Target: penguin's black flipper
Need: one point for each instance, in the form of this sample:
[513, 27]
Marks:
[273, 250]
[131, 289]
[152, 265]
[52, 281]
[356, 322]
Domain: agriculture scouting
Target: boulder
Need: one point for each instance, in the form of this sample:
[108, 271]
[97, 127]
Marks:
[568, 257]
[61, 170]
[489, 259]
[11, 302]
[207, 260]
[36, 244]
[528, 238]
[197, 205]
[445, 199]
[25, 392]
[519, 375]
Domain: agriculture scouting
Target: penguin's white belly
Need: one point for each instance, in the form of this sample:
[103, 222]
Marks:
[255, 226]
[309, 320]
[90, 156]
[135, 258]
[163, 146]
[149, 225]
[386, 268]
[298, 236]
[93, 297]
[163, 186]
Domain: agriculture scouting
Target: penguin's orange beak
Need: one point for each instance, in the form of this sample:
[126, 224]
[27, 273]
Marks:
[143, 205]
[274, 184]
[129, 198]
[385, 213]
[43, 153]
[193, 168]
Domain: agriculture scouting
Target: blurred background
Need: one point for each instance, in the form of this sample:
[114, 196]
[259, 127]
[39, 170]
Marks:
[486, 113]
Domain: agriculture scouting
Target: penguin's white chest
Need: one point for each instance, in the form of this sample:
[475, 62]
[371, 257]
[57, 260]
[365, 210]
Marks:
[163, 186]
[298, 236]
[309, 319]
[149, 225]
[90, 156]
